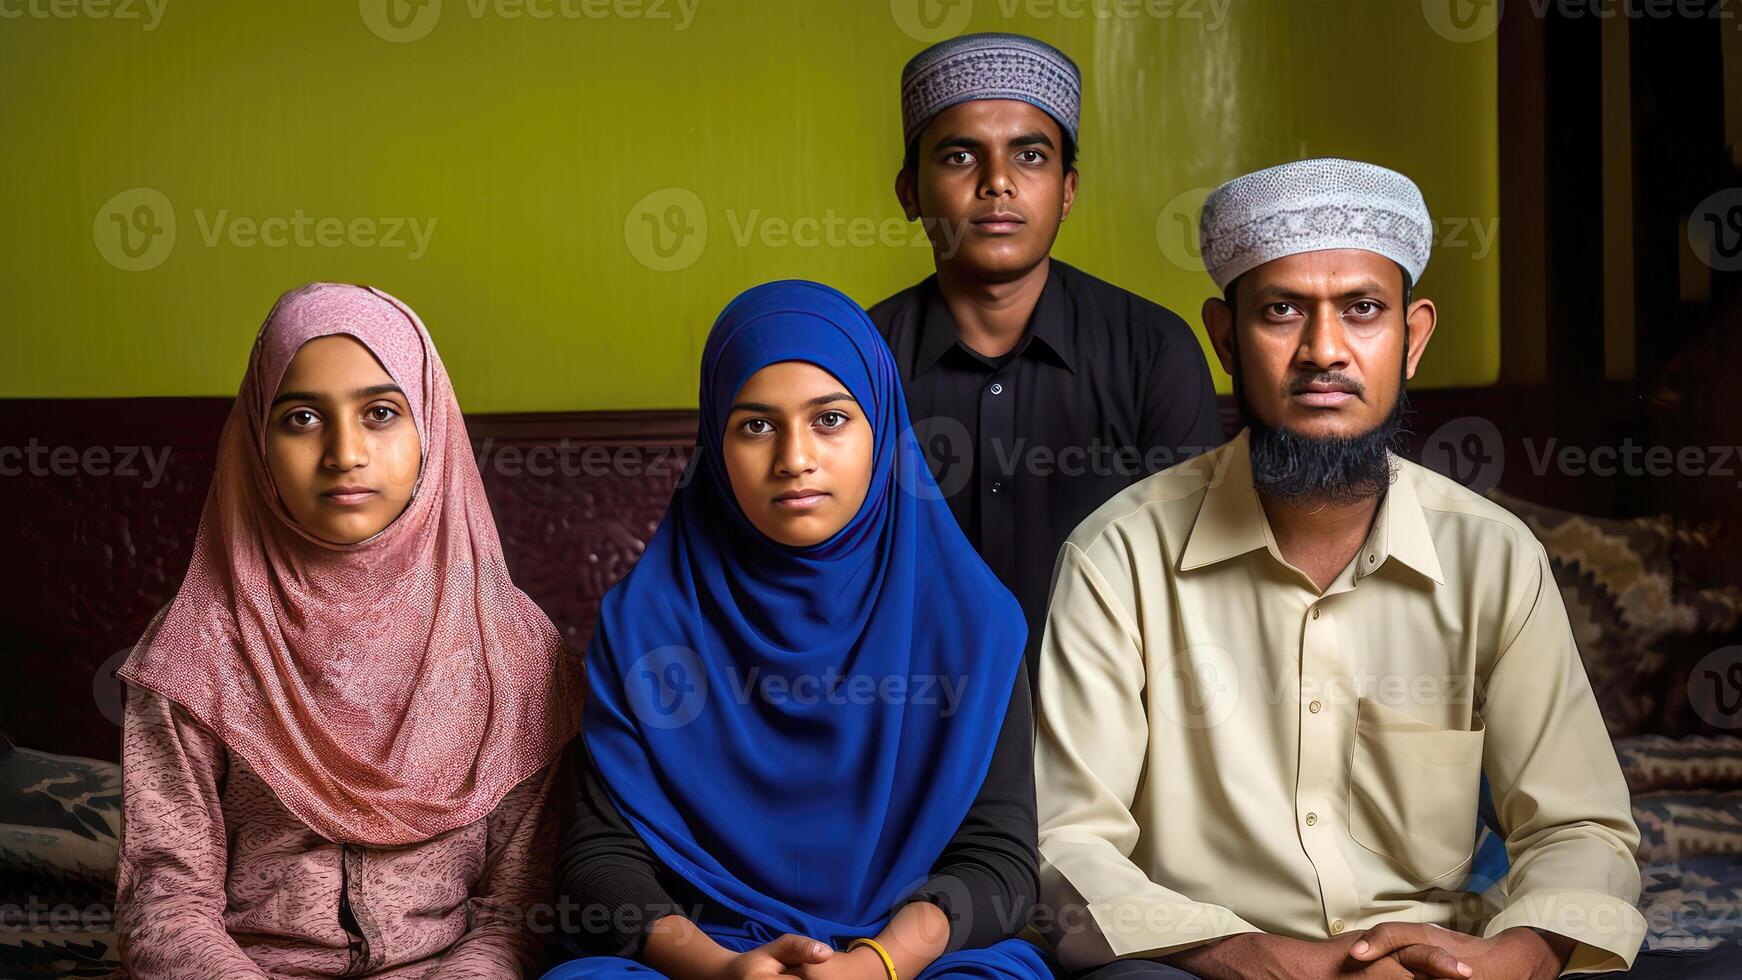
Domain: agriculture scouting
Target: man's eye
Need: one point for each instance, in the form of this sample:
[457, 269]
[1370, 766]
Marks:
[1365, 308]
[1281, 309]
[959, 158]
[1030, 156]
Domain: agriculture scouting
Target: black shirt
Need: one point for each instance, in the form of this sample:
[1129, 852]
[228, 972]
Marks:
[1104, 389]
[986, 880]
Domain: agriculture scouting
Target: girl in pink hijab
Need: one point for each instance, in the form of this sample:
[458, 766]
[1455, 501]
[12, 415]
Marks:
[341, 734]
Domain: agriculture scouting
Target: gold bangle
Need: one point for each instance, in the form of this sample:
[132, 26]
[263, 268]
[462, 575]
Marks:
[882, 954]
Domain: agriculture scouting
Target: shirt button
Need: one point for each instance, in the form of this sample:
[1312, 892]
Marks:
[1372, 558]
[1336, 926]
[1314, 707]
[997, 389]
[997, 487]
[1312, 820]
[1315, 612]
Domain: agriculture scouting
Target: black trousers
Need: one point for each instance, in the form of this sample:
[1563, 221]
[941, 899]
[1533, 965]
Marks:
[1722, 963]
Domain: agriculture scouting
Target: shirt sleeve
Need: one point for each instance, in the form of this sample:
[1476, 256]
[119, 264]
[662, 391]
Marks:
[986, 878]
[174, 855]
[1558, 791]
[521, 833]
[1091, 742]
[1179, 418]
[607, 874]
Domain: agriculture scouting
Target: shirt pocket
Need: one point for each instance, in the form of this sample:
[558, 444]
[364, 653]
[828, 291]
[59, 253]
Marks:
[1414, 789]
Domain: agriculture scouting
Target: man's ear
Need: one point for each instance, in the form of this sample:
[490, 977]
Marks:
[1219, 324]
[907, 194]
[1422, 317]
[1070, 193]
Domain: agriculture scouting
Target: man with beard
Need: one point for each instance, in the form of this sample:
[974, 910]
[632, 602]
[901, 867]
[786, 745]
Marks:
[1273, 678]
[1037, 390]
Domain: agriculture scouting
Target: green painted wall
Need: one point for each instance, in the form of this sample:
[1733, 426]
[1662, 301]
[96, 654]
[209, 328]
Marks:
[503, 172]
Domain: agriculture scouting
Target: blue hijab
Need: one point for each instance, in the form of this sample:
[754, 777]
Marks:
[798, 732]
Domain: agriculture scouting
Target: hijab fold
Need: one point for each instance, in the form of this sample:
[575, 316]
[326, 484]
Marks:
[388, 690]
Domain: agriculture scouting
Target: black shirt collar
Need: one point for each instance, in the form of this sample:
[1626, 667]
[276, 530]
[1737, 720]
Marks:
[1048, 331]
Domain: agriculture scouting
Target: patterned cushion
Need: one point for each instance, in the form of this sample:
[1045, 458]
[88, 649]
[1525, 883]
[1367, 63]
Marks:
[1656, 763]
[1692, 903]
[60, 817]
[76, 953]
[1630, 605]
[1675, 826]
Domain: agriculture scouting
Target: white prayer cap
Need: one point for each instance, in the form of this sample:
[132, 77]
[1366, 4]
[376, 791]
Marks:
[1313, 205]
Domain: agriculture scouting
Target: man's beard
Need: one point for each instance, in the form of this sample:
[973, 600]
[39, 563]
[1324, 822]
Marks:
[1335, 470]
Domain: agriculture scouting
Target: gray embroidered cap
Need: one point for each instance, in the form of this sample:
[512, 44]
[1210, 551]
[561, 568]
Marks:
[989, 66]
[1312, 205]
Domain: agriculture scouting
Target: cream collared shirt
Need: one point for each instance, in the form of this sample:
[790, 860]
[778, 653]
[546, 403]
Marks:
[1222, 748]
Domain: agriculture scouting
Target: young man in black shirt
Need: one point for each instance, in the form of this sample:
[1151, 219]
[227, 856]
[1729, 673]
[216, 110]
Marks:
[1037, 390]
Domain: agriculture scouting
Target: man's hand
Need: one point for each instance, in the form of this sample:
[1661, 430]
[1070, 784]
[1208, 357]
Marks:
[1424, 950]
[1526, 954]
[1260, 956]
[1515, 954]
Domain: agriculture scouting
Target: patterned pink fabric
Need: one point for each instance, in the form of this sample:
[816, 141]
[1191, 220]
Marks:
[387, 691]
[217, 879]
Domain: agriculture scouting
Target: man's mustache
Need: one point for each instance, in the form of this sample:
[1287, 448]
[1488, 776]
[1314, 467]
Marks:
[1326, 379]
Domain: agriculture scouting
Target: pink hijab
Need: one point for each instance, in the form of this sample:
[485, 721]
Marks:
[389, 690]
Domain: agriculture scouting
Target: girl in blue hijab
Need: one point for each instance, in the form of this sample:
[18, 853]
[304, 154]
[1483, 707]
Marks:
[808, 730]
